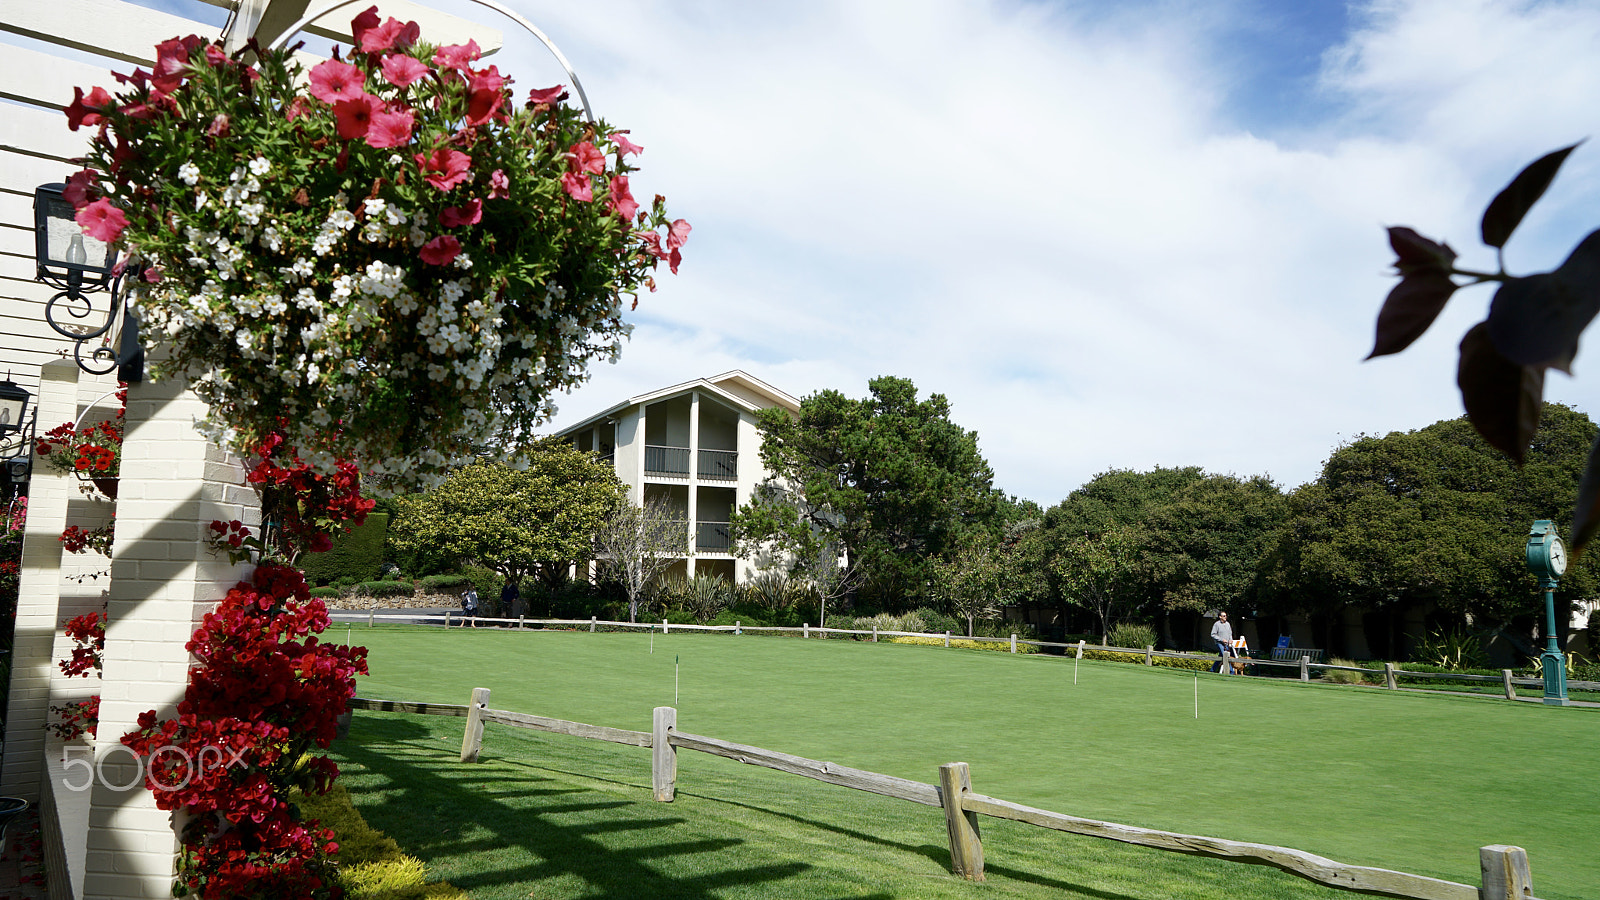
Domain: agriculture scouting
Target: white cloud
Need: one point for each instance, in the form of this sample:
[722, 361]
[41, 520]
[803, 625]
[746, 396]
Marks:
[1044, 215]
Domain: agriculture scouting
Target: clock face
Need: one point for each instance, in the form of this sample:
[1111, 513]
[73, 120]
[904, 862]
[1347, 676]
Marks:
[1558, 556]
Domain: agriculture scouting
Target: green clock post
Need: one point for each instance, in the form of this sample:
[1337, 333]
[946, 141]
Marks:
[1547, 559]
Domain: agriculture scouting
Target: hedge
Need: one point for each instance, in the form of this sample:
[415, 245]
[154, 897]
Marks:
[356, 554]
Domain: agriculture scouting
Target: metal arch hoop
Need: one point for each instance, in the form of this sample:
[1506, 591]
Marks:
[491, 4]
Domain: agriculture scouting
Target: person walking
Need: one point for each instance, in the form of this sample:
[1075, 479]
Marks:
[1222, 633]
[469, 605]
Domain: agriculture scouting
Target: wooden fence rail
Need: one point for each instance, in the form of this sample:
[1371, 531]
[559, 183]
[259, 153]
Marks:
[1504, 869]
[1391, 673]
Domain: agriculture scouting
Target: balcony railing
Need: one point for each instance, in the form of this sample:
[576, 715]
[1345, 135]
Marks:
[712, 537]
[666, 460]
[719, 464]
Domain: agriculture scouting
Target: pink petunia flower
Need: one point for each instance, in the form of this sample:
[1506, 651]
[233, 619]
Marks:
[403, 71]
[391, 35]
[550, 95]
[172, 61]
[102, 221]
[469, 213]
[459, 57]
[499, 185]
[576, 184]
[354, 116]
[79, 112]
[390, 129]
[586, 157]
[298, 107]
[678, 234]
[620, 200]
[446, 168]
[215, 56]
[153, 274]
[220, 125]
[652, 243]
[333, 81]
[624, 146]
[440, 251]
[81, 187]
[482, 105]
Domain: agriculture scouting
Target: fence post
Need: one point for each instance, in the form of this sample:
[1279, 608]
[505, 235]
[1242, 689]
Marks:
[447, 618]
[1388, 676]
[663, 756]
[1149, 654]
[1305, 668]
[591, 623]
[966, 846]
[736, 626]
[665, 628]
[1505, 873]
[1080, 648]
[369, 618]
[1511, 691]
[1013, 643]
[472, 741]
[947, 640]
[805, 629]
[874, 633]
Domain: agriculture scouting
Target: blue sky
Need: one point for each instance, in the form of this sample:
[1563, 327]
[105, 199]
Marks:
[1114, 234]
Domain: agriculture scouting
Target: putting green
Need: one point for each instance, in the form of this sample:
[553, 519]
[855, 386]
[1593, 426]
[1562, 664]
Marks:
[1415, 782]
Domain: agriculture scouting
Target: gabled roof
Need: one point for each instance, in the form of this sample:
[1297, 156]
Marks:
[737, 388]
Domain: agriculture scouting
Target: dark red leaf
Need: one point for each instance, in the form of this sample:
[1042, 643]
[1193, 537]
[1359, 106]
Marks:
[1586, 515]
[1503, 399]
[1506, 210]
[1537, 320]
[1411, 307]
[1417, 253]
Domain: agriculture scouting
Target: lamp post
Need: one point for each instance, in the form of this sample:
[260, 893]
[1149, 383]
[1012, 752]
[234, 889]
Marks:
[79, 265]
[1547, 559]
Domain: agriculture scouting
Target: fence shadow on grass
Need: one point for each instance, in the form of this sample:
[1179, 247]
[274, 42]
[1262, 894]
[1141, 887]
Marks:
[434, 807]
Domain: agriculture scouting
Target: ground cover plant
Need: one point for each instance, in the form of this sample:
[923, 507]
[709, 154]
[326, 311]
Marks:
[1407, 781]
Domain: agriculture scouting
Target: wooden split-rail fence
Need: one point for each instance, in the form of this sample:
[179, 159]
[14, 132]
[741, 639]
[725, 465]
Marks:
[1391, 672]
[1504, 869]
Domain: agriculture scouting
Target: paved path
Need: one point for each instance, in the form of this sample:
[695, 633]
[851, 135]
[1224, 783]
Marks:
[21, 863]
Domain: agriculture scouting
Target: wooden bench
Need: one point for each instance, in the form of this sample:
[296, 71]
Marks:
[1294, 653]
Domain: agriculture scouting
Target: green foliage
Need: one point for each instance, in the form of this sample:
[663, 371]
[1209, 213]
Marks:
[772, 591]
[1451, 651]
[1434, 516]
[357, 553]
[1337, 677]
[700, 598]
[1168, 662]
[371, 865]
[445, 584]
[385, 589]
[1129, 634]
[519, 523]
[488, 583]
[326, 593]
[888, 479]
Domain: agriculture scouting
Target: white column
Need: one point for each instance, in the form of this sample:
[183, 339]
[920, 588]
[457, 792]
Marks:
[164, 579]
[694, 481]
[38, 601]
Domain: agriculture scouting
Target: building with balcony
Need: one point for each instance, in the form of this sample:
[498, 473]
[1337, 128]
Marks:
[694, 446]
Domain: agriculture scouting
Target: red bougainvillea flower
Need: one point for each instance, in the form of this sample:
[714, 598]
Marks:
[403, 71]
[586, 157]
[78, 113]
[102, 221]
[499, 185]
[468, 213]
[549, 96]
[441, 251]
[624, 146]
[333, 81]
[576, 184]
[390, 129]
[459, 57]
[446, 168]
[354, 116]
[620, 200]
[81, 188]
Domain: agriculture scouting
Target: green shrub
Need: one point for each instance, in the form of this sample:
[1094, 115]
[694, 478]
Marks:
[445, 584]
[772, 591]
[371, 865]
[1337, 677]
[385, 589]
[346, 581]
[357, 553]
[1129, 634]
[1453, 651]
[1169, 662]
[326, 593]
[935, 622]
[699, 598]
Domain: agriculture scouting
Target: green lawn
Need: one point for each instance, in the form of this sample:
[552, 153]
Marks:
[1399, 780]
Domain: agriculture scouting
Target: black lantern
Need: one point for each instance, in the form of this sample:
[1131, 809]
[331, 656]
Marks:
[80, 265]
[13, 406]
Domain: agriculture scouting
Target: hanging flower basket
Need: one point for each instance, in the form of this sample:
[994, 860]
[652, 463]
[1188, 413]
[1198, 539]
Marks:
[389, 259]
[92, 453]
